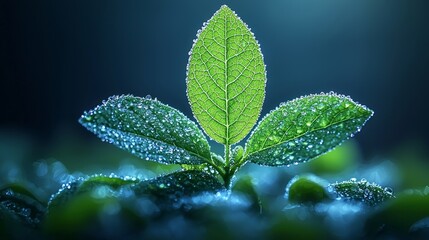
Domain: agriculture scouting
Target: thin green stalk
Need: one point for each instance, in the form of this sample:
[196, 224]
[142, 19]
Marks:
[227, 155]
[227, 176]
[236, 166]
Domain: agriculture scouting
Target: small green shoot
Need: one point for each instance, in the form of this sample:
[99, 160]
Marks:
[226, 87]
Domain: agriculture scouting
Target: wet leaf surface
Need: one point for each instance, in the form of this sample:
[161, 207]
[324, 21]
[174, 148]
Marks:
[304, 128]
[226, 78]
[363, 191]
[148, 129]
[171, 189]
[17, 203]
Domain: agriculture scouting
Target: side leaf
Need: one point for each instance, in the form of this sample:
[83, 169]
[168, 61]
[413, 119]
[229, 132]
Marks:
[226, 78]
[20, 205]
[362, 191]
[98, 185]
[166, 191]
[305, 128]
[171, 188]
[148, 129]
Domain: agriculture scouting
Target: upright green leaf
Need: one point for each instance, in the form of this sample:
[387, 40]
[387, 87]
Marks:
[226, 78]
[148, 129]
[305, 128]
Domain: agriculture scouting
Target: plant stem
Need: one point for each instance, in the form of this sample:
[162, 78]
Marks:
[234, 168]
[227, 176]
[227, 155]
[227, 181]
[230, 171]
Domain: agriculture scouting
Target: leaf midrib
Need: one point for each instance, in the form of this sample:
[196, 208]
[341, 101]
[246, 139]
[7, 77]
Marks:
[226, 78]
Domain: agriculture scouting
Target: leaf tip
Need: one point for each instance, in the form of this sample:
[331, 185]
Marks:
[224, 7]
[84, 118]
[367, 112]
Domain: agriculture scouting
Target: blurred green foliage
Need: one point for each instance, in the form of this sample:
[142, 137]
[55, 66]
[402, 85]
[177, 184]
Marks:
[307, 189]
[254, 207]
[340, 159]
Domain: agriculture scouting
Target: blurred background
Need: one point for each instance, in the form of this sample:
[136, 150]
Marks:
[59, 58]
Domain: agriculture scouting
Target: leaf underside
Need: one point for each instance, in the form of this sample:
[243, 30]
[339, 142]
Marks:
[304, 128]
[226, 78]
[148, 129]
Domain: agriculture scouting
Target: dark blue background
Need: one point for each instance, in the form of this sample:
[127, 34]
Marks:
[59, 58]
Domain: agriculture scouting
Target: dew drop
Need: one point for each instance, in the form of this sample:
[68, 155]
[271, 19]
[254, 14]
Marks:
[388, 190]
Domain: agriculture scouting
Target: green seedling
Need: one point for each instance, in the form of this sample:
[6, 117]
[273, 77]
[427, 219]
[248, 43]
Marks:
[226, 80]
